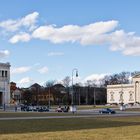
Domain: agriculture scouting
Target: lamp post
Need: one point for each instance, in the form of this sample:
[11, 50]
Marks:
[76, 70]
[94, 96]
[49, 97]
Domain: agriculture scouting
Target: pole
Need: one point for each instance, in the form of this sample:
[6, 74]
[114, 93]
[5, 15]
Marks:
[94, 97]
[49, 96]
[79, 96]
[72, 83]
[72, 89]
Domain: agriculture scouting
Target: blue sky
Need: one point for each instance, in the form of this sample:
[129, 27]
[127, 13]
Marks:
[45, 39]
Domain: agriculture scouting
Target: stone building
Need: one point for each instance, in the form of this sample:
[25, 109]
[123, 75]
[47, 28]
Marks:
[4, 83]
[125, 93]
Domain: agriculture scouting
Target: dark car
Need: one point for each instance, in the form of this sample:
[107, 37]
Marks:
[43, 109]
[107, 111]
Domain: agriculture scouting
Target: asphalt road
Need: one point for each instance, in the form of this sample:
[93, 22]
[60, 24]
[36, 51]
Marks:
[80, 114]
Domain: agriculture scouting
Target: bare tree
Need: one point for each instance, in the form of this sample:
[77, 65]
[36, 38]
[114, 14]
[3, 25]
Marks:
[90, 83]
[120, 78]
[66, 81]
[50, 83]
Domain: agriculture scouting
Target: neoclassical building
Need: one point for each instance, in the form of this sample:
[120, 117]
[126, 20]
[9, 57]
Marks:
[4, 83]
[124, 93]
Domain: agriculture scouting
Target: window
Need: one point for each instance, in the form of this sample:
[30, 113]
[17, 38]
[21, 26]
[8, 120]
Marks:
[5, 73]
[131, 96]
[2, 73]
[111, 96]
[121, 96]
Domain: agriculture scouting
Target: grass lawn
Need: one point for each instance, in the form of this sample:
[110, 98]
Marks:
[106, 128]
[34, 114]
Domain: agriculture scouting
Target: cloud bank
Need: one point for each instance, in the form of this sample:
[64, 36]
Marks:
[104, 33]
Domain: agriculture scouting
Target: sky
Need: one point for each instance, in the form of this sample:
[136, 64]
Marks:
[47, 39]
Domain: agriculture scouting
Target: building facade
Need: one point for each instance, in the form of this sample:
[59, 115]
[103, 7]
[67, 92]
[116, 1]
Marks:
[4, 83]
[125, 93]
[15, 94]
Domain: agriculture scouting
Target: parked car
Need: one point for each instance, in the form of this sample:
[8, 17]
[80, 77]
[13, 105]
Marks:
[43, 109]
[23, 107]
[59, 109]
[107, 111]
[62, 109]
[65, 109]
[29, 108]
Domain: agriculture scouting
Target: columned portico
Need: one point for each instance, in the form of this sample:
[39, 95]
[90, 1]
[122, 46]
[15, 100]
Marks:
[4, 83]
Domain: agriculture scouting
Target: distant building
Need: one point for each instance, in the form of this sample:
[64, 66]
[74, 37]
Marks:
[124, 93]
[49, 95]
[4, 83]
[15, 94]
[38, 95]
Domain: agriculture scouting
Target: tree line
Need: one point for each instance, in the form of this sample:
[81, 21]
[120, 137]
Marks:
[83, 93]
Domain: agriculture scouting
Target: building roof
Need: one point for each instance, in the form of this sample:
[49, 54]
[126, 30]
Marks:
[5, 64]
[136, 75]
[35, 85]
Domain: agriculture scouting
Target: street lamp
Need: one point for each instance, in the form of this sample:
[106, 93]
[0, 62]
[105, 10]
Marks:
[76, 70]
[94, 96]
[49, 97]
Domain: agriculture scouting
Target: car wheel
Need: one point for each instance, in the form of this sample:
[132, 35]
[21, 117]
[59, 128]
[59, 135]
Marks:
[109, 112]
[101, 112]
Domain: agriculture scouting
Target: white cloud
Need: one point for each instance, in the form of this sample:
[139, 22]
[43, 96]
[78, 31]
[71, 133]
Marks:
[14, 25]
[95, 77]
[4, 53]
[55, 53]
[20, 70]
[88, 34]
[98, 33]
[127, 43]
[43, 70]
[25, 82]
[23, 37]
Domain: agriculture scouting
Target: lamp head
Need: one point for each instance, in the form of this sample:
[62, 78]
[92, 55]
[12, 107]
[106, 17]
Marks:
[76, 73]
